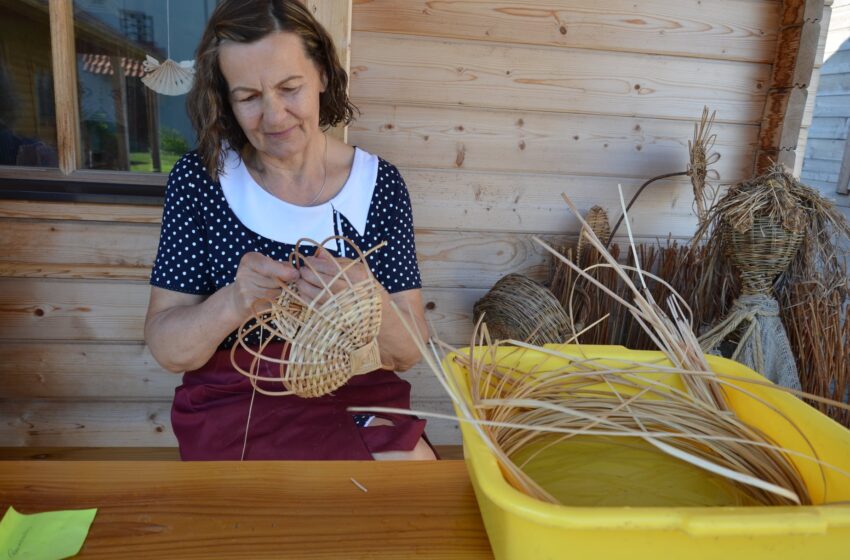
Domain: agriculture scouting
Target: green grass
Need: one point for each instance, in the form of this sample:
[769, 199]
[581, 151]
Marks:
[141, 161]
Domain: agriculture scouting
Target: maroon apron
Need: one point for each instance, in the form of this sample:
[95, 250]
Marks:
[210, 412]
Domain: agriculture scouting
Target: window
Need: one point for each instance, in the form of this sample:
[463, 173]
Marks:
[83, 61]
[124, 125]
[27, 117]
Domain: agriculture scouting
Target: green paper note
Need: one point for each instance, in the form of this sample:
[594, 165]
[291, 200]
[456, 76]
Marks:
[52, 535]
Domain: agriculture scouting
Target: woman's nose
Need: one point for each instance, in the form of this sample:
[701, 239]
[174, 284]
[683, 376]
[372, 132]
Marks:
[274, 109]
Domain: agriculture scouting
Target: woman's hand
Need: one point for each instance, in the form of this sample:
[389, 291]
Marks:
[321, 269]
[258, 282]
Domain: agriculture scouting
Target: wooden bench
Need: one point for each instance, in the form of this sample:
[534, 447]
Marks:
[133, 453]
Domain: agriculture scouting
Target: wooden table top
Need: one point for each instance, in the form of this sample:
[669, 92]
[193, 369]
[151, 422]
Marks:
[258, 509]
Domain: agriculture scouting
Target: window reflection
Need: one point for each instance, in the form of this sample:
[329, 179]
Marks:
[123, 124]
[27, 116]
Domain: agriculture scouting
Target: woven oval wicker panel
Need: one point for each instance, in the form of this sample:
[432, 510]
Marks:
[325, 344]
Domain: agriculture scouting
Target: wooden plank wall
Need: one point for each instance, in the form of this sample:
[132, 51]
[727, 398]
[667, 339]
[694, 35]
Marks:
[490, 109]
[499, 102]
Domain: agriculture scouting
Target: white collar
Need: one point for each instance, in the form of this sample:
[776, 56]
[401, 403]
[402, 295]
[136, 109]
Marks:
[281, 221]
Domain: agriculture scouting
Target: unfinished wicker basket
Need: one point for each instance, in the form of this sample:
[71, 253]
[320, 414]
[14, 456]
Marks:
[324, 345]
[519, 308]
[761, 253]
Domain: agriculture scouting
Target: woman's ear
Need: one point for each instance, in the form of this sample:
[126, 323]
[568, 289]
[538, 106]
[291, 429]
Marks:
[324, 82]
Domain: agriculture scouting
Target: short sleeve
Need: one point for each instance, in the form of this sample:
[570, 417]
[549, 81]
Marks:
[394, 266]
[181, 261]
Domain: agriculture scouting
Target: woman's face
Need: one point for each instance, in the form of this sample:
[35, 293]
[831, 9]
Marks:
[274, 92]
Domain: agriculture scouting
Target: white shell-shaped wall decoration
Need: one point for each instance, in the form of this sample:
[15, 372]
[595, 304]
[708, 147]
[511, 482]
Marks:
[170, 77]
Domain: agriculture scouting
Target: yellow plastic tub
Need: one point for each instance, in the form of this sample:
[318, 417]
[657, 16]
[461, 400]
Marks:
[520, 527]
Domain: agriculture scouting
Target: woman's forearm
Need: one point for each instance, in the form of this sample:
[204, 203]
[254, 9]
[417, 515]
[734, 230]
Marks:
[184, 337]
[399, 351]
[184, 330]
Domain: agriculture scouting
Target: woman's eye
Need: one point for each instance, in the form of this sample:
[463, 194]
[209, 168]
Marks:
[246, 99]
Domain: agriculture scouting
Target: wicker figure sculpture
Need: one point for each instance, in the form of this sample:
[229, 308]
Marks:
[759, 227]
[325, 344]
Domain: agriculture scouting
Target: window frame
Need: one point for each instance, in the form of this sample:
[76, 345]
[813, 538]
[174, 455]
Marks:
[69, 181]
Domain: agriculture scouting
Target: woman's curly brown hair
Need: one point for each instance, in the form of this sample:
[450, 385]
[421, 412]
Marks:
[247, 21]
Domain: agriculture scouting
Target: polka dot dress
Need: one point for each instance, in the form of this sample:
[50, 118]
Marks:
[202, 239]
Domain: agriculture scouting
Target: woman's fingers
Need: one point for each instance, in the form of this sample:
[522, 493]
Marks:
[309, 292]
[258, 282]
[321, 269]
[268, 268]
[259, 278]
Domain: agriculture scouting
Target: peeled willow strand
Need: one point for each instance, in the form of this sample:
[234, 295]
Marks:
[676, 339]
[757, 465]
[648, 409]
[478, 422]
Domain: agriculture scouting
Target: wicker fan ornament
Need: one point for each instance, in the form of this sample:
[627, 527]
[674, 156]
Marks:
[168, 77]
[325, 344]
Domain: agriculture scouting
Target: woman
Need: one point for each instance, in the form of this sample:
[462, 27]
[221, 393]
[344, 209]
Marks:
[265, 175]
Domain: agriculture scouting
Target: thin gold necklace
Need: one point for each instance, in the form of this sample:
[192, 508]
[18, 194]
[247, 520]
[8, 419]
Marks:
[324, 174]
[324, 177]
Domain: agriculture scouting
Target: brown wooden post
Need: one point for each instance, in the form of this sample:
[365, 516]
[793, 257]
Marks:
[335, 15]
[792, 72]
[65, 84]
[152, 109]
[119, 95]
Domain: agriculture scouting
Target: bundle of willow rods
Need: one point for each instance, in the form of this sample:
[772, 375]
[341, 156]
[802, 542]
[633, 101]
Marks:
[582, 300]
[521, 412]
[818, 324]
[681, 266]
[510, 408]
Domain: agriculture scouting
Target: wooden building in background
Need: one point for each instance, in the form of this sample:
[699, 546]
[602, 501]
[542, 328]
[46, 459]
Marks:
[491, 109]
[826, 161]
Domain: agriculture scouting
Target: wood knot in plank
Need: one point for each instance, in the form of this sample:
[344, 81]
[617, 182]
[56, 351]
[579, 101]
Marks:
[461, 155]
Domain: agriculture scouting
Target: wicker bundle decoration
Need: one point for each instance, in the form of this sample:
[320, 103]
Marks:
[324, 344]
[518, 308]
[818, 323]
[759, 228]
[700, 161]
[597, 219]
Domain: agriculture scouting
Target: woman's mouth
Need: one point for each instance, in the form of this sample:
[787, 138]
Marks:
[280, 134]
